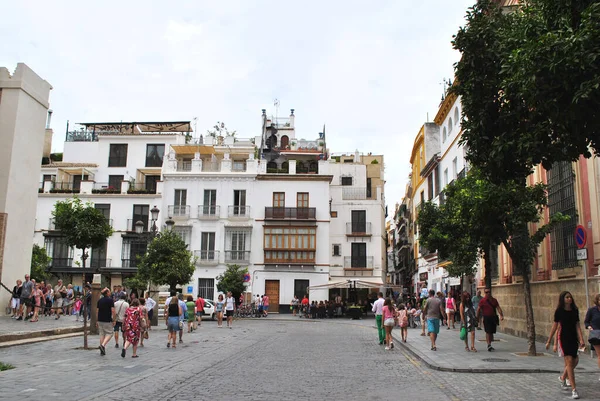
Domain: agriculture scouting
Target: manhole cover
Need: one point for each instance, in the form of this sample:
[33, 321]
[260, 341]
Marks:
[496, 360]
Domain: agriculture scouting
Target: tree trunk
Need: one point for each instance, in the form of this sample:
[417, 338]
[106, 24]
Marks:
[531, 351]
[487, 261]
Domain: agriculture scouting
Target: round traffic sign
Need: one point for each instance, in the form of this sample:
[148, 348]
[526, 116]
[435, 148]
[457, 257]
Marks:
[580, 236]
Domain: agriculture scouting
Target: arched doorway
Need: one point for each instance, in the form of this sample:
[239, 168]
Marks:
[271, 167]
[285, 140]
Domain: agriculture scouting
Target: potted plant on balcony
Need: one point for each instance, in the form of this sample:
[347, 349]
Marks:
[293, 145]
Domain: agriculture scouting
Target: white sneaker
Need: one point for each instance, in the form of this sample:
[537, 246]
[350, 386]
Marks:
[564, 383]
[575, 395]
[387, 348]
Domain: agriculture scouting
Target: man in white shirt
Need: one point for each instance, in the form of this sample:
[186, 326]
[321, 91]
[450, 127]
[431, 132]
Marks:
[120, 308]
[150, 304]
[229, 309]
[378, 310]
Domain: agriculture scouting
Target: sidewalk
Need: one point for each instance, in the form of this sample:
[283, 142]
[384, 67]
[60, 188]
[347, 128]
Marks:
[510, 355]
[12, 330]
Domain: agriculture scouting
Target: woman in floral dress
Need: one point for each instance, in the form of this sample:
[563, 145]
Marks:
[132, 327]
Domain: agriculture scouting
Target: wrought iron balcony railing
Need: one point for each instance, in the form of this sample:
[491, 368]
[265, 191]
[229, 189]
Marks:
[290, 213]
[209, 212]
[237, 256]
[206, 257]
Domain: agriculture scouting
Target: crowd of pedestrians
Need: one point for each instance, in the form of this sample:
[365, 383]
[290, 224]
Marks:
[30, 300]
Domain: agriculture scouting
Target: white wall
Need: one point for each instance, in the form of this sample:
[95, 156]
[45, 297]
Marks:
[23, 111]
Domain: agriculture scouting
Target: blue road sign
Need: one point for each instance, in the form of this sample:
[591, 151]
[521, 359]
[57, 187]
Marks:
[580, 236]
[190, 289]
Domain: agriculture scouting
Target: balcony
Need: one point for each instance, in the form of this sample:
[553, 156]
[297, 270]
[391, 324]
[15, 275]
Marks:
[354, 193]
[100, 263]
[211, 166]
[238, 166]
[355, 229]
[287, 257]
[131, 224]
[179, 211]
[66, 187]
[106, 188]
[237, 256]
[61, 262]
[358, 262]
[129, 263]
[184, 166]
[207, 257]
[290, 213]
[209, 212]
[142, 188]
[239, 212]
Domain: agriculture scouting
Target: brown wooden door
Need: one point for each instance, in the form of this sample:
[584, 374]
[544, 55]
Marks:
[272, 291]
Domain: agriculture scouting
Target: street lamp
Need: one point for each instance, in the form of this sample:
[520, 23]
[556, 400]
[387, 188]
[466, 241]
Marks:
[139, 227]
[169, 223]
[154, 212]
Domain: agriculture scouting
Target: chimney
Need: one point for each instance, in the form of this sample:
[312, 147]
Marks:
[292, 118]
[49, 119]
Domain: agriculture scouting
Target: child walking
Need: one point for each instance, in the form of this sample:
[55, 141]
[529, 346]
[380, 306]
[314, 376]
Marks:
[403, 321]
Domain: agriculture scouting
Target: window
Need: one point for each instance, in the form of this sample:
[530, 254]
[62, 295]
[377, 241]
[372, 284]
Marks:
[455, 168]
[207, 246]
[301, 288]
[369, 190]
[133, 250]
[185, 233]
[114, 181]
[77, 182]
[436, 179]
[302, 199]
[140, 213]
[98, 258]
[337, 250]
[180, 203]
[236, 245]
[430, 186]
[290, 244]
[422, 198]
[278, 199]
[359, 221]
[445, 177]
[347, 181]
[561, 198]
[456, 116]
[450, 125]
[209, 206]
[206, 288]
[154, 155]
[444, 135]
[359, 255]
[49, 177]
[59, 251]
[151, 181]
[239, 202]
[117, 156]
[104, 208]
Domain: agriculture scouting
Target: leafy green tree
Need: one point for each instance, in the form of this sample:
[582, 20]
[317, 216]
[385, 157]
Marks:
[232, 280]
[39, 264]
[167, 261]
[528, 98]
[136, 282]
[82, 226]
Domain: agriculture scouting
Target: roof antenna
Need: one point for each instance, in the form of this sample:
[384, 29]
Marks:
[276, 104]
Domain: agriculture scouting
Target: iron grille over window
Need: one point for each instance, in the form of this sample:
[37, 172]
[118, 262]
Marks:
[561, 198]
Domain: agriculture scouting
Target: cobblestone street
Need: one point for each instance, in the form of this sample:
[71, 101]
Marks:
[260, 360]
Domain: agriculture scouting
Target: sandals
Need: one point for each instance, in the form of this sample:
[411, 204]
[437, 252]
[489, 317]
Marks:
[473, 349]
[467, 349]
[134, 356]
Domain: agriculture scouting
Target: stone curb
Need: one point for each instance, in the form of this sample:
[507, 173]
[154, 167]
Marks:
[39, 334]
[16, 343]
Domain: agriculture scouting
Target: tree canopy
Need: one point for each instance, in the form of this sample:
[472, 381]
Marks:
[528, 82]
[39, 264]
[232, 280]
[81, 225]
[167, 261]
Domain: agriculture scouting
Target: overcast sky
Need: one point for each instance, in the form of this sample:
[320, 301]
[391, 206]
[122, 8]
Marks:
[371, 71]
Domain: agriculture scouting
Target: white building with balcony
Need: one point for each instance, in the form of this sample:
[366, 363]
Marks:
[117, 167]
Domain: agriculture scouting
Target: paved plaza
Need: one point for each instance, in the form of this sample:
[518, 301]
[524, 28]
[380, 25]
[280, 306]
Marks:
[266, 359]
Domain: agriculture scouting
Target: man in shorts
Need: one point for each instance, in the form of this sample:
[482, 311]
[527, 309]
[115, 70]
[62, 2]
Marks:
[120, 308]
[26, 298]
[487, 308]
[434, 310]
[105, 319]
[150, 304]
[59, 299]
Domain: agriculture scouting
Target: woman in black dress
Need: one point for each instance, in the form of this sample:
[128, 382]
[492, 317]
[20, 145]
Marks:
[569, 340]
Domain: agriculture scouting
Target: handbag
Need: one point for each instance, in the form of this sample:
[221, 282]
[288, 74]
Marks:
[594, 336]
[463, 333]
